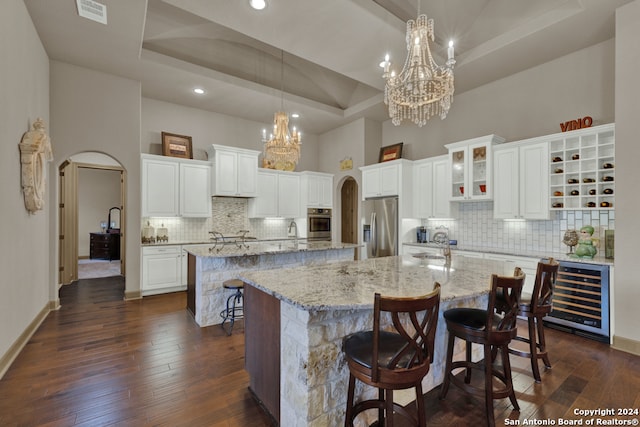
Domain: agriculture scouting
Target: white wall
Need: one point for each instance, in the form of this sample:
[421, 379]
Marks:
[531, 103]
[627, 90]
[356, 140]
[94, 111]
[24, 96]
[206, 128]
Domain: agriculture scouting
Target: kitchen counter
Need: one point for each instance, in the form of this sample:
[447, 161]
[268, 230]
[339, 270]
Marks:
[267, 247]
[351, 285]
[295, 320]
[208, 269]
[559, 256]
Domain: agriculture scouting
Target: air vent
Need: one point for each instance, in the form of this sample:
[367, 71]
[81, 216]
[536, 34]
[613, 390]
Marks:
[92, 10]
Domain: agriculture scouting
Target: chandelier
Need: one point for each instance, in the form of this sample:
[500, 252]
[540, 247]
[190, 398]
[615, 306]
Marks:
[282, 149]
[423, 88]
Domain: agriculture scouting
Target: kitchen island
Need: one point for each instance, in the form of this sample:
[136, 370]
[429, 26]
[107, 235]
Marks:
[209, 267]
[295, 320]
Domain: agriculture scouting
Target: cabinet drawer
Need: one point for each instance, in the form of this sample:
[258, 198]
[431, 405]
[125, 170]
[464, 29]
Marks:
[98, 245]
[99, 238]
[161, 250]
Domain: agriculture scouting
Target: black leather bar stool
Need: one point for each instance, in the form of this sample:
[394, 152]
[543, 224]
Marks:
[493, 328]
[234, 309]
[534, 309]
[393, 360]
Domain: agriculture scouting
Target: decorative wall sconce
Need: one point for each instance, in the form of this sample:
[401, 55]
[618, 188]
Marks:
[35, 152]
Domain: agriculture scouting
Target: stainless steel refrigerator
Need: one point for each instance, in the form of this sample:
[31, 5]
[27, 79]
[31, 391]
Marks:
[381, 227]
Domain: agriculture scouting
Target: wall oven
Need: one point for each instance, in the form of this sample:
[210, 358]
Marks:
[319, 224]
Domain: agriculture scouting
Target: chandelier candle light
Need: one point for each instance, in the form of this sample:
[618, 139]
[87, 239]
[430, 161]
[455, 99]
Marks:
[423, 88]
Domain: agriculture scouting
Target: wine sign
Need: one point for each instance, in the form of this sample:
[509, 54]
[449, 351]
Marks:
[584, 122]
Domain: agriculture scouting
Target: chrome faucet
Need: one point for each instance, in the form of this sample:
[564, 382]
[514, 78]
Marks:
[446, 250]
[293, 225]
[441, 237]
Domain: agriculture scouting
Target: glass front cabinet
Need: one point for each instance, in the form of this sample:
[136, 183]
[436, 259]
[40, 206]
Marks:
[471, 168]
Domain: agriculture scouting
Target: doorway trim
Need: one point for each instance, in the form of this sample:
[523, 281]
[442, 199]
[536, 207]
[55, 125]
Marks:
[68, 217]
[349, 214]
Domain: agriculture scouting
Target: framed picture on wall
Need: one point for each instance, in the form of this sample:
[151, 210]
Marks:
[390, 152]
[176, 145]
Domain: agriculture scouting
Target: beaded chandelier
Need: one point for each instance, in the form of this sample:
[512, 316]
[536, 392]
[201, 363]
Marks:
[423, 88]
[282, 149]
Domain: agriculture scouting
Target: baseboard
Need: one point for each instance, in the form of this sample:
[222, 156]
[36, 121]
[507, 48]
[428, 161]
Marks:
[13, 352]
[131, 295]
[626, 344]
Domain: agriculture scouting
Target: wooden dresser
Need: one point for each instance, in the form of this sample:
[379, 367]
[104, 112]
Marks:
[104, 246]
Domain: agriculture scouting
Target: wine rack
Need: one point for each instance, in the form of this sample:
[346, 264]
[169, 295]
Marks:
[582, 169]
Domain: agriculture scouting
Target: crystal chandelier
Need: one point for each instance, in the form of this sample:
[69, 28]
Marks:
[282, 149]
[423, 88]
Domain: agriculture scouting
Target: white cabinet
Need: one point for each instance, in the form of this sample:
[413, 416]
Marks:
[471, 168]
[278, 195]
[195, 190]
[423, 188]
[235, 171]
[528, 265]
[521, 180]
[161, 270]
[385, 179]
[160, 187]
[174, 187]
[288, 195]
[410, 250]
[266, 203]
[317, 190]
[430, 184]
[470, 254]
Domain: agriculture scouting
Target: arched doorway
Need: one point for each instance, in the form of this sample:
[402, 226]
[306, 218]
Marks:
[349, 211]
[97, 171]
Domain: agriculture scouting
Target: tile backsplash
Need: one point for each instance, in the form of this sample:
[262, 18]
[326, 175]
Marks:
[474, 227]
[229, 215]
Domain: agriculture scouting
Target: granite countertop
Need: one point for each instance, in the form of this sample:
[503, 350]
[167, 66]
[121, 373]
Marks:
[177, 243]
[266, 247]
[559, 256]
[351, 285]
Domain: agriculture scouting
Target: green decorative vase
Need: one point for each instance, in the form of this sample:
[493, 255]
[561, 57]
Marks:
[585, 248]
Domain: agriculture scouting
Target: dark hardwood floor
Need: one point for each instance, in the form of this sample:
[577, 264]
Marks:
[100, 361]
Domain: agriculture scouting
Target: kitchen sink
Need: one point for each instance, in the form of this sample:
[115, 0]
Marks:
[426, 255]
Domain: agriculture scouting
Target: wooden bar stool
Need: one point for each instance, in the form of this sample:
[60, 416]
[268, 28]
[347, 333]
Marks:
[394, 360]
[535, 308]
[234, 309]
[493, 328]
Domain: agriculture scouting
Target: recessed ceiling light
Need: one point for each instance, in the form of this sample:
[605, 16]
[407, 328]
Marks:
[295, 115]
[258, 4]
[199, 91]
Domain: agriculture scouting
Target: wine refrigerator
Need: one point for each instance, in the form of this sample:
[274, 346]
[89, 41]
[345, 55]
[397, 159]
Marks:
[581, 300]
